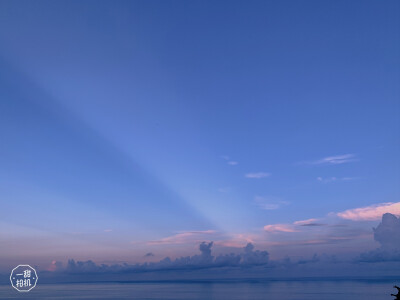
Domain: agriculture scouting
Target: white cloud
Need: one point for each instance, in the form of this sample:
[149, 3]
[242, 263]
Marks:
[332, 179]
[257, 175]
[229, 161]
[370, 213]
[333, 160]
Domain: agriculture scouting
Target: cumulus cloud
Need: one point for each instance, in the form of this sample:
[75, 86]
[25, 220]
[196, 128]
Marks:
[257, 175]
[379, 255]
[248, 262]
[387, 234]
[251, 257]
[248, 257]
[370, 213]
[149, 254]
[205, 249]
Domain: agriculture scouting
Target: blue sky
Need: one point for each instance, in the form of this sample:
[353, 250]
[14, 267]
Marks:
[136, 126]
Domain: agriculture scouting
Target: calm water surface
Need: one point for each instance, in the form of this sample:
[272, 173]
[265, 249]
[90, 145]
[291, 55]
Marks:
[296, 290]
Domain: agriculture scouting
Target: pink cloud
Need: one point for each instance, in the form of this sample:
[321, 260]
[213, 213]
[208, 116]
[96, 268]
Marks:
[54, 266]
[184, 237]
[305, 222]
[238, 240]
[279, 228]
[370, 213]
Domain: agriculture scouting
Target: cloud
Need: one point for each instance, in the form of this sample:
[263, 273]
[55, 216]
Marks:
[251, 257]
[332, 179]
[224, 189]
[387, 234]
[269, 203]
[309, 222]
[205, 248]
[248, 263]
[370, 213]
[257, 175]
[379, 255]
[184, 237]
[292, 227]
[237, 240]
[280, 228]
[55, 266]
[229, 161]
[333, 160]
[349, 178]
[150, 254]
[248, 257]
[107, 230]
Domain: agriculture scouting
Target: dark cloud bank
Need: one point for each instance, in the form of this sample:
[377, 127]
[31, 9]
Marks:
[205, 260]
[250, 264]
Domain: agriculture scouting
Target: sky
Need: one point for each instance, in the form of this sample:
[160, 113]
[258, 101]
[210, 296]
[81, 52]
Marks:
[135, 130]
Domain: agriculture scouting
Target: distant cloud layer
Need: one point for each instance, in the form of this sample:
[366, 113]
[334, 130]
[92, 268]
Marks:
[370, 213]
[249, 261]
[248, 257]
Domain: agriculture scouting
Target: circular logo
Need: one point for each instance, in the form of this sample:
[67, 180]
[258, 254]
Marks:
[23, 278]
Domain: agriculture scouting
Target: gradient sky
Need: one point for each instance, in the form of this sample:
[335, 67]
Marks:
[129, 127]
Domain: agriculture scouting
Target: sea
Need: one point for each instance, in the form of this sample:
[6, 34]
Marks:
[280, 290]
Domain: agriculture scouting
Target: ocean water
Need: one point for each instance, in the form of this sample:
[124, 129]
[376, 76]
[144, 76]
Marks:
[280, 290]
